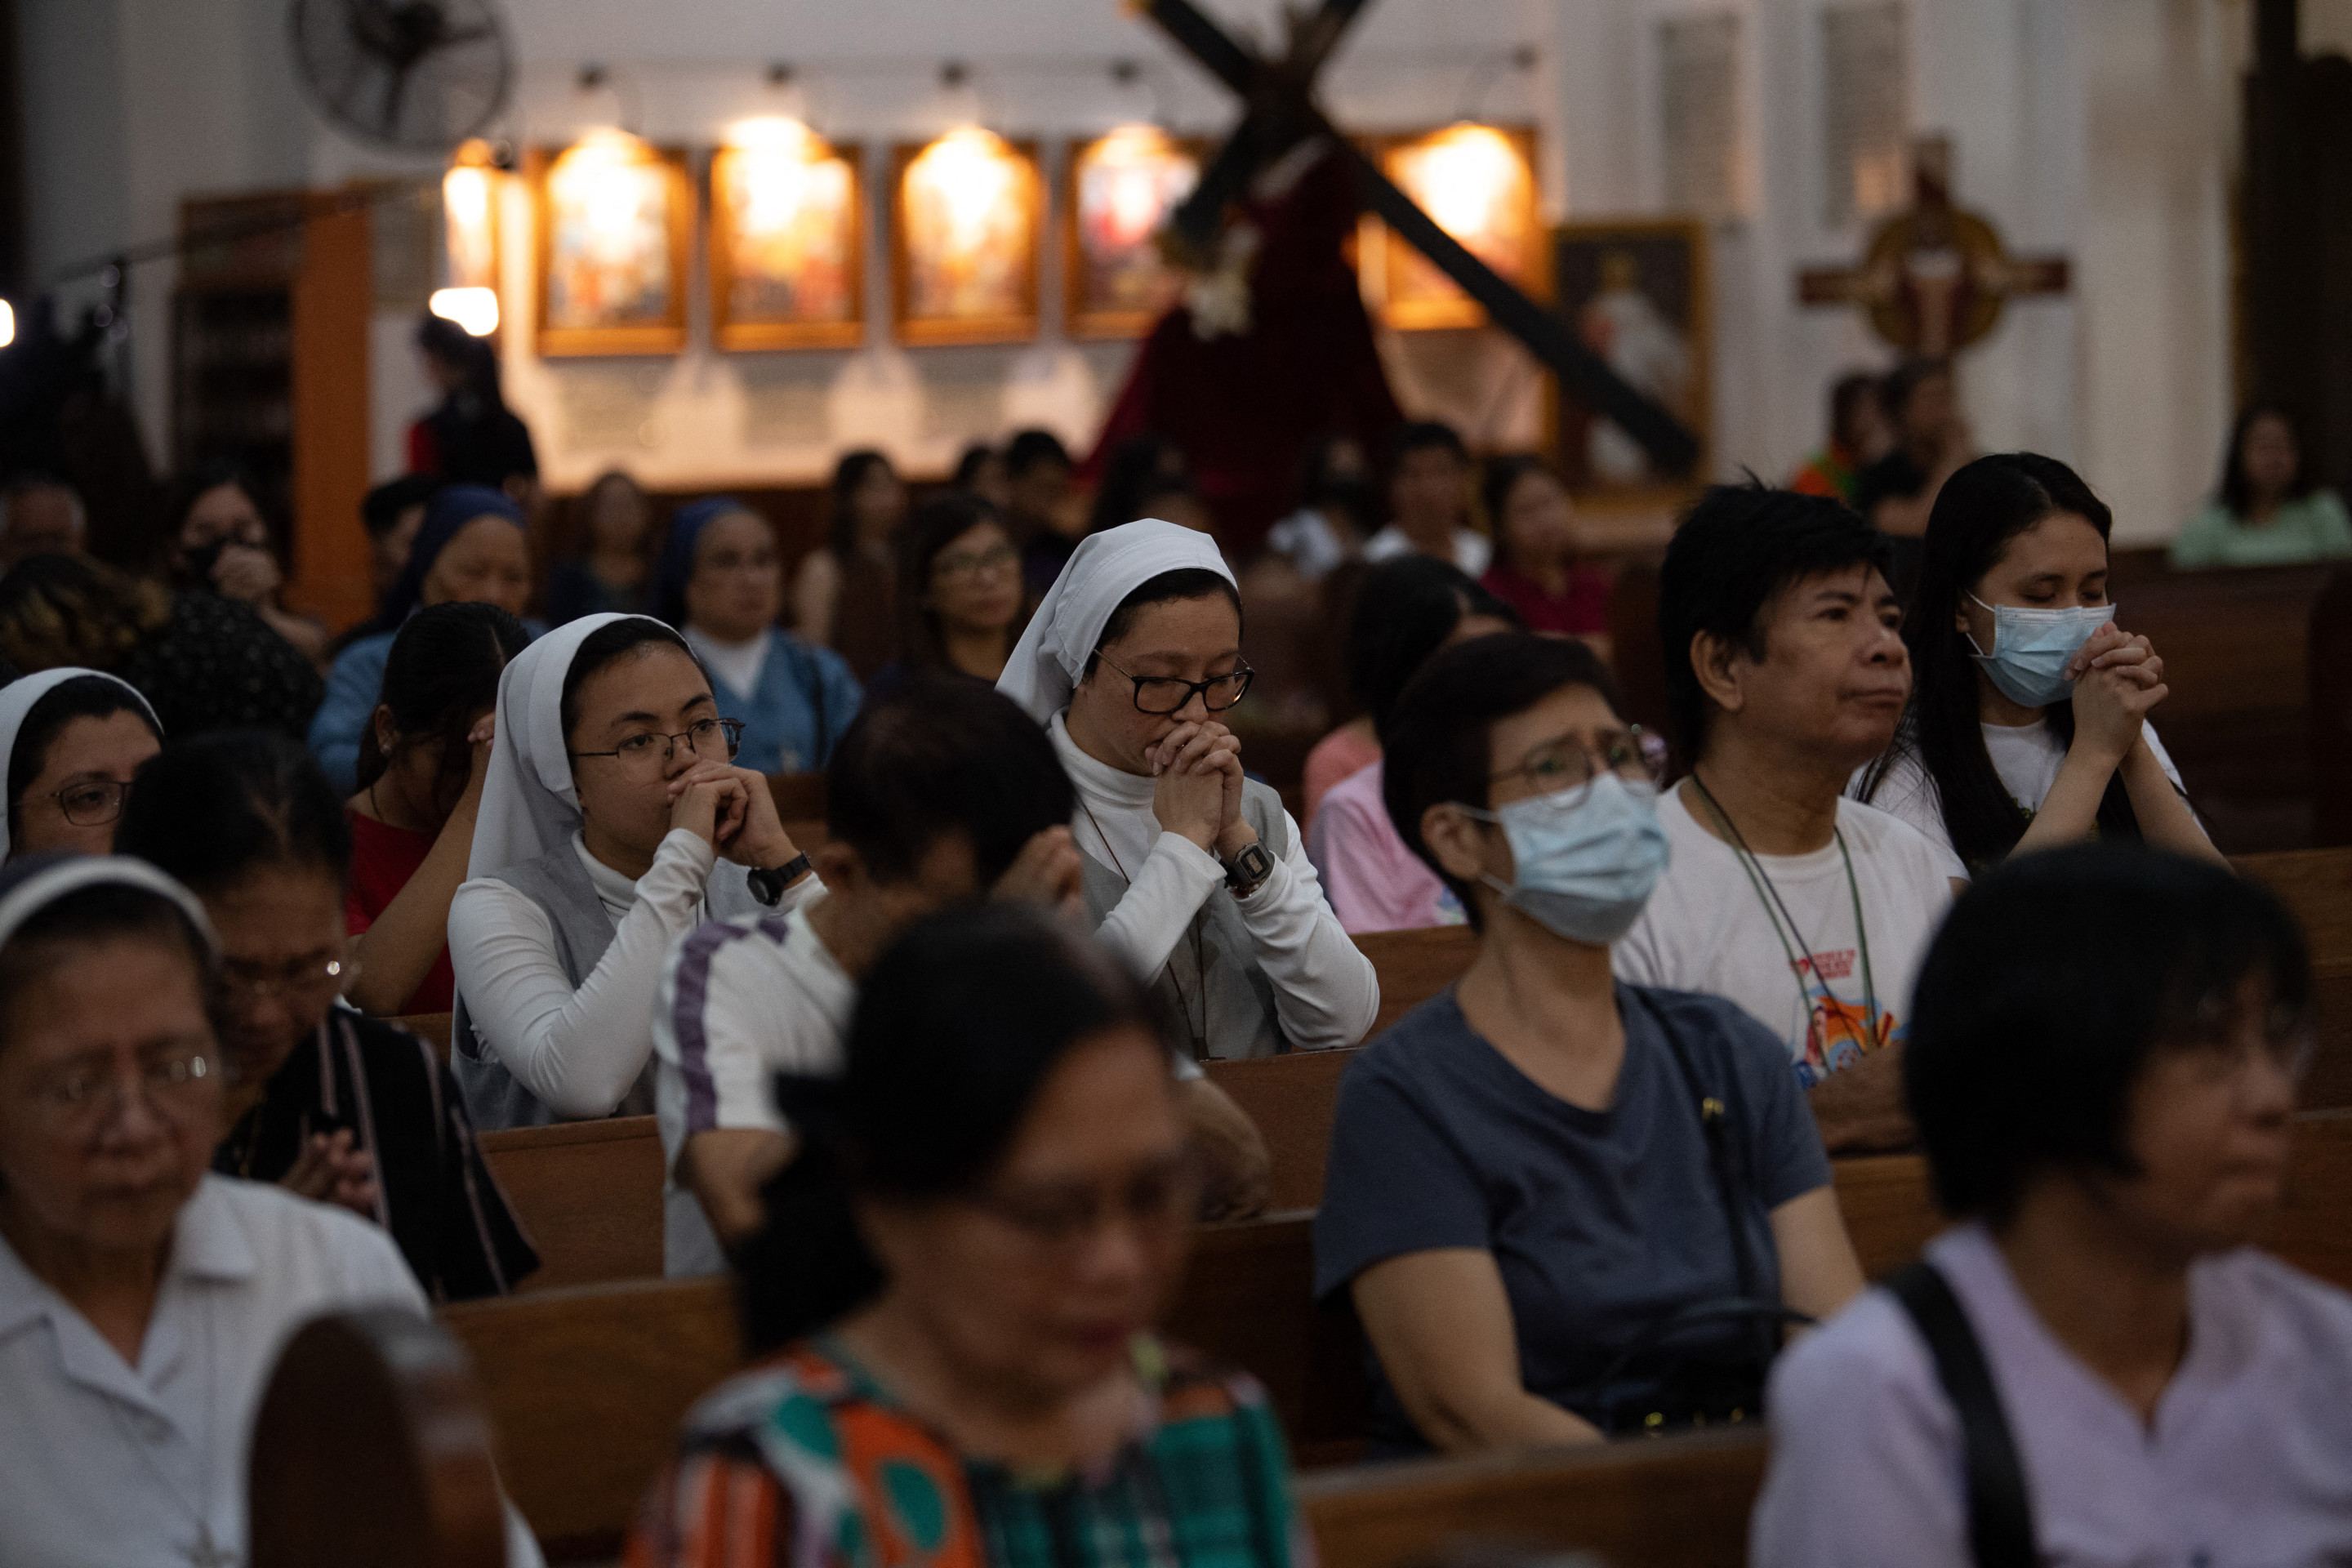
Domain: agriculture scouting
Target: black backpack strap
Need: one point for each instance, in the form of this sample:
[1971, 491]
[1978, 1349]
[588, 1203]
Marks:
[2000, 1513]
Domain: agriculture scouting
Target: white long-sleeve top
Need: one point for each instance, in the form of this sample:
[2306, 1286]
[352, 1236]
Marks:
[580, 1049]
[1326, 994]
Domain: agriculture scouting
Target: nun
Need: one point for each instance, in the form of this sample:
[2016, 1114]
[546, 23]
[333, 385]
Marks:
[143, 1299]
[73, 739]
[721, 580]
[472, 547]
[614, 821]
[1194, 872]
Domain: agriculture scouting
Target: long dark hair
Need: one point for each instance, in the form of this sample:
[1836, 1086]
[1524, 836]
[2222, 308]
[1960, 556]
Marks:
[1404, 611]
[1981, 508]
[443, 669]
[2236, 491]
[957, 1029]
[847, 475]
[936, 525]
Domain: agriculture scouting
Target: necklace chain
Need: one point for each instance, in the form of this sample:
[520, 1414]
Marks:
[1200, 962]
[1776, 911]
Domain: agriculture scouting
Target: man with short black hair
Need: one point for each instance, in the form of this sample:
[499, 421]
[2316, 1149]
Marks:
[1429, 498]
[1785, 671]
[936, 795]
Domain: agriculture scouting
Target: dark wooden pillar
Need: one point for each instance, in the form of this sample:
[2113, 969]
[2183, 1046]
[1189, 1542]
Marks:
[13, 257]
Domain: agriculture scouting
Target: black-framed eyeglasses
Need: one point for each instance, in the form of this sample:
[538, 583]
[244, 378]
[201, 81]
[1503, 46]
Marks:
[1632, 754]
[1161, 695]
[92, 802]
[654, 749]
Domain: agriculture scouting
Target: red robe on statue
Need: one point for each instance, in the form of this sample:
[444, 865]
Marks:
[1243, 408]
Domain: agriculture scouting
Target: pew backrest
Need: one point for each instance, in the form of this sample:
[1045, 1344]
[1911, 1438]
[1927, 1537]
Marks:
[589, 1195]
[1673, 1502]
[372, 1449]
[1415, 965]
[585, 1389]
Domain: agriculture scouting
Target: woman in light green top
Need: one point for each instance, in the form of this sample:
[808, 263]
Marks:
[2269, 511]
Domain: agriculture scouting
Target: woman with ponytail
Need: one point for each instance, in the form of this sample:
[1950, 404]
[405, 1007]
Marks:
[960, 1275]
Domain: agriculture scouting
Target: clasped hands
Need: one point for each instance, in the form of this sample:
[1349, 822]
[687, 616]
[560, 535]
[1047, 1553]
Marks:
[2118, 681]
[1198, 788]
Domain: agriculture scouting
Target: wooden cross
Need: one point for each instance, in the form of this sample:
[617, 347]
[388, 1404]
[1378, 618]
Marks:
[1935, 276]
[1281, 112]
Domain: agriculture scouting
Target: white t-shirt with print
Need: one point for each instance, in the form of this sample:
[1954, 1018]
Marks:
[1708, 928]
[2027, 757]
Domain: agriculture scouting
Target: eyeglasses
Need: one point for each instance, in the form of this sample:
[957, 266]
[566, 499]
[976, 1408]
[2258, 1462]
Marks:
[714, 740]
[92, 802]
[307, 977]
[1161, 695]
[175, 1080]
[1161, 1196]
[2215, 1053]
[1565, 763]
[964, 563]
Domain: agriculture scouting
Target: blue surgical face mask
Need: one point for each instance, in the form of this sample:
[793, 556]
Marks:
[2031, 649]
[1583, 861]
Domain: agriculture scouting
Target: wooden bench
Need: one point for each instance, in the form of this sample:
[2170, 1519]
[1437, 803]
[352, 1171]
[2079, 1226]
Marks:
[1677, 1503]
[372, 1449]
[585, 1386]
[589, 1195]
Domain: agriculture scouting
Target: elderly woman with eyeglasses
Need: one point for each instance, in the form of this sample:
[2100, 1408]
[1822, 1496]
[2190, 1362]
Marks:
[1194, 872]
[960, 1276]
[143, 1299]
[321, 1098]
[71, 738]
[614, 821]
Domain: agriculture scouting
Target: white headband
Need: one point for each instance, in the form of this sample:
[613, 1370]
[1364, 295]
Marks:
[1101, 573]
[43, 887]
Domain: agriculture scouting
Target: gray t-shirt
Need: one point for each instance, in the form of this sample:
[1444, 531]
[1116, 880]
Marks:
[1601, 1222]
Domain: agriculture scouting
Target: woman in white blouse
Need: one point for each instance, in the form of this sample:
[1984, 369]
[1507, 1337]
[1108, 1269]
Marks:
[612, 822]
[1194, 872]
[142, 1301]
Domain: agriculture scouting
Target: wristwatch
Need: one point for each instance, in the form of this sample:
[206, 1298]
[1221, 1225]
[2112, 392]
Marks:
[1247, 872]
[767, 887]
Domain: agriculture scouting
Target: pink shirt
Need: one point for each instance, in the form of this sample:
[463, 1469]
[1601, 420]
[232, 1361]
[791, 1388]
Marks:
[1373, 881]
[1344, 750]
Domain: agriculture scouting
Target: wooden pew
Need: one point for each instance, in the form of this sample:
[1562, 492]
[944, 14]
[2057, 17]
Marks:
[585, 1389]
[372, 1449]
[1291, 1099]
[1678, 1502]
[589, 1195]
[585, 1386]
[799, 797]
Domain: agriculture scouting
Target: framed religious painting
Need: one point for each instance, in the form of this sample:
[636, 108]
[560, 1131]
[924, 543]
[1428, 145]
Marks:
[1118, 193]
[1477, 183]
[787, 257]
[1637, 294]
[968, 208]
[615, 242]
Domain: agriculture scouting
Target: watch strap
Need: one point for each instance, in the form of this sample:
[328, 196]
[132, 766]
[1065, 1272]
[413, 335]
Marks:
[767, 887]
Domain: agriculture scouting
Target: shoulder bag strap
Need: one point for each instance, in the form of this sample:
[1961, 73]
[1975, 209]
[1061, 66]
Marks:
[2000, 1513]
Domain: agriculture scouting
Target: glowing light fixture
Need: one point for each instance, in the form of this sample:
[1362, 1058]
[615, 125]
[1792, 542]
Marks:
[1136, 174]
[786, 251]
[7, 323]
[609, 179]
[476, 309]
[966, 241]
[1477, 183]
[963, 183]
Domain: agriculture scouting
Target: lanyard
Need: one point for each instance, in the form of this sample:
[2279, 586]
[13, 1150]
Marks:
[1200, 959]
[1776, 911]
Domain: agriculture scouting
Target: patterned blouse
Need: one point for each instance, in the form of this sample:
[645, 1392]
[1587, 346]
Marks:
[805, 1462]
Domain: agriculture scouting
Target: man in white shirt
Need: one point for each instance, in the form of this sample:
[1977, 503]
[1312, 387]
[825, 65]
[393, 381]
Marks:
[1786, 671]
[942, 792]
[1428, 496]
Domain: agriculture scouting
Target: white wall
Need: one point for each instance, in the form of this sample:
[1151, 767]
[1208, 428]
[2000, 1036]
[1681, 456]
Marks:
[2096, 128]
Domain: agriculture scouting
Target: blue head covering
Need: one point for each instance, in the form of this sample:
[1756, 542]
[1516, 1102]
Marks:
[676, 566]
[446, 517]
